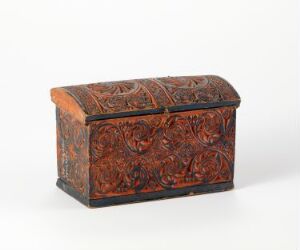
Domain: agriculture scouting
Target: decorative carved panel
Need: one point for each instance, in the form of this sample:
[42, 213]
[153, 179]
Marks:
[166, 151]
[152, 93]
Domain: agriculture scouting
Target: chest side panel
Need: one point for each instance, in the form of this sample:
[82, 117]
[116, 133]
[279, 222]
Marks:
[160, 152]
[72, 152]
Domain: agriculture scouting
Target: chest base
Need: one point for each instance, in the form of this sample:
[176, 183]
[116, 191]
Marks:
[165, 194]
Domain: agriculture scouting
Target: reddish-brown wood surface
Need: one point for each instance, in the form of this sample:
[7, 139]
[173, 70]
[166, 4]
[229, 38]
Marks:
[113, 156]
[153, 153]
[147, 153]
[142, 94]
[73, 152]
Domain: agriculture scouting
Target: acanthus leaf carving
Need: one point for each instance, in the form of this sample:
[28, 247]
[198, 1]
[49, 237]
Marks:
[152, 153]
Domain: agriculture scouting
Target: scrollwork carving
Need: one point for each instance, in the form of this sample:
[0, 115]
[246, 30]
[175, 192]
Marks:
[138, 136]
[153, 153]
[145, 94]
[105, 139]
[209, 128]
[207, 166]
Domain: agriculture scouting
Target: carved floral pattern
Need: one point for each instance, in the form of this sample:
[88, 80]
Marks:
[144, 94]
[153, 153]
[147, 153]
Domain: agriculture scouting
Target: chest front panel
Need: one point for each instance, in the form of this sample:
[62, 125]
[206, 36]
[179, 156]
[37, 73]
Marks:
[161, 152]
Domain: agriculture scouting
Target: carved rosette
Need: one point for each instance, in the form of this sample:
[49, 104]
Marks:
[138, 136]
[209, 128]
[210, 165]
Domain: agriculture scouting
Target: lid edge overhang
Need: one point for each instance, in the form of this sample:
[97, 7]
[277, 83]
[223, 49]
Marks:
[161, 110]
[65, 101]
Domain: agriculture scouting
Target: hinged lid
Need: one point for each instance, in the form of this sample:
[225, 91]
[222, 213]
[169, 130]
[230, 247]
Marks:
[107, 100]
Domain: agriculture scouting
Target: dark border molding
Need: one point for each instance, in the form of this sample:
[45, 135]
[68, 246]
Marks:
[117, 200]
[161, 110]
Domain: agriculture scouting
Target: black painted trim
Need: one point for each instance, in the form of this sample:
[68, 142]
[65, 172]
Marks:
[117, 200]
[163, 110]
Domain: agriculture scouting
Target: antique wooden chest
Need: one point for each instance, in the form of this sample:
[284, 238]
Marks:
[136, 140]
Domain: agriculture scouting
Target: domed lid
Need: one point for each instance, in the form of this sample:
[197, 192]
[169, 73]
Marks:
[108, 100]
